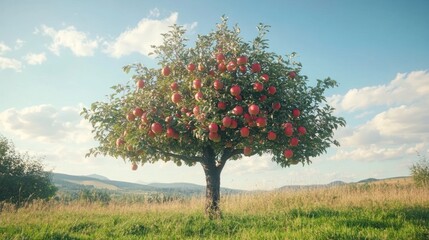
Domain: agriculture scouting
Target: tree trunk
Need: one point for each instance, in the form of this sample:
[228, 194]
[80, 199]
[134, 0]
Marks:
[212, 172]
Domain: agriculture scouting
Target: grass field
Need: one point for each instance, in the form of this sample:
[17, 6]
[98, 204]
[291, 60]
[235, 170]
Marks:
[394, 209]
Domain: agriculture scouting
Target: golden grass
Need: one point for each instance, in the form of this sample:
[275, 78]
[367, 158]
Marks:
[394, 191]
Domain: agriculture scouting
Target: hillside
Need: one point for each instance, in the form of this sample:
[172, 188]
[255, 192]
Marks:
[400, 180]
[71, 183]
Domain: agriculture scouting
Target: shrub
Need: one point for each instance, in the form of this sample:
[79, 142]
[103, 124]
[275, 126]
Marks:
[22, 177]
[420, 171]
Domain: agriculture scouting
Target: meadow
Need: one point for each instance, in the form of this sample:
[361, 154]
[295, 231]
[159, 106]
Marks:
[394, 209]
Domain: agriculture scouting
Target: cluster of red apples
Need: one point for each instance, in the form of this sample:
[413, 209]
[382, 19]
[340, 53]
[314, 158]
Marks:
[242, 115]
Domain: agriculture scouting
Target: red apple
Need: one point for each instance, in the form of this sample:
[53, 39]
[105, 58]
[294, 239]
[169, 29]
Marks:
[265, 77]
[234, 124]
[262, 98]
[292, 75]
[213, 127]
[221, 67]
[191, 67]
[174, 86]
[221, 105]
[244, 131]
[247, 117]
[256, 67]
[231, 66]
[287, 125]
[156, 127]
[243, 68]
[199, 96]
[261, 122]
[271, 90]
[296, 113]
[238, 110]
[288, 131]
[217, 84]
[211, 73]
[170, 132]
[258, 87]
[235, 90]
[140, 83]
[213, 136]
[253, 109]
[144, 118]
[196, 110]
[226, 121]
[242, 60]
[271, 136]
[276, 106]
[196, 84]
[293, 142]
[134, 166]
[131, 116]
[220, 57]
[247, 151]
[176, 98]
[166, 71]
[302, 130]
[288, 153]
[138, 112]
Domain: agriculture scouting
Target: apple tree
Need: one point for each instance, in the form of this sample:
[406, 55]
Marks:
[220, 100]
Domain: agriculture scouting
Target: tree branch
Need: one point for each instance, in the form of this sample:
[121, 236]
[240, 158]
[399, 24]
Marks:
[178, 156]
[227, 154]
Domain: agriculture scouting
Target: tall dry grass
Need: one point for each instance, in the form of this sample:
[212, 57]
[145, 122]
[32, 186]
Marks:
[401, 191]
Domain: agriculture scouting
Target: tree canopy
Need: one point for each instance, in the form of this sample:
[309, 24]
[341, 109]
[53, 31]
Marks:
[218, 100]
[22, 177]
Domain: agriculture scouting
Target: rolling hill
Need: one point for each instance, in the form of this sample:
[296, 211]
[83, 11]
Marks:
[70, 183]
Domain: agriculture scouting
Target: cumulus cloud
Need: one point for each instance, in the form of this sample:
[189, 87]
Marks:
[35, 59]
[78, 42]
[252, 164]
[46, 123]
[404, 89]
[399, 128]
[140, 38]
[4, 48]
[10, 63]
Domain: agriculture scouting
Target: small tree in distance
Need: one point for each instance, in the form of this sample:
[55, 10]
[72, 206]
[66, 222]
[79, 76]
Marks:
[420, 171]
[214, 102]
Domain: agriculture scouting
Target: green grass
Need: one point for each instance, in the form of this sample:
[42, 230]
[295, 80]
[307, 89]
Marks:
[389, 211]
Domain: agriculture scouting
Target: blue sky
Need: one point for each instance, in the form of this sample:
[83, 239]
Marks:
[59, 56]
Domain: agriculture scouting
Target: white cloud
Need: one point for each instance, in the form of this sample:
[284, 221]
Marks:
[46, 123]
[10, 63]
[4, 48]
[18, 44]
[398, 130]
[248, 165]
[404, 89]
[35, 59]
[140, 38]
[78, 42]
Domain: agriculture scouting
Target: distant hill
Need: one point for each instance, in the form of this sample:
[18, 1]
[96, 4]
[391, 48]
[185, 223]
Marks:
[96, 176]
[66, 182]
[339, 183]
